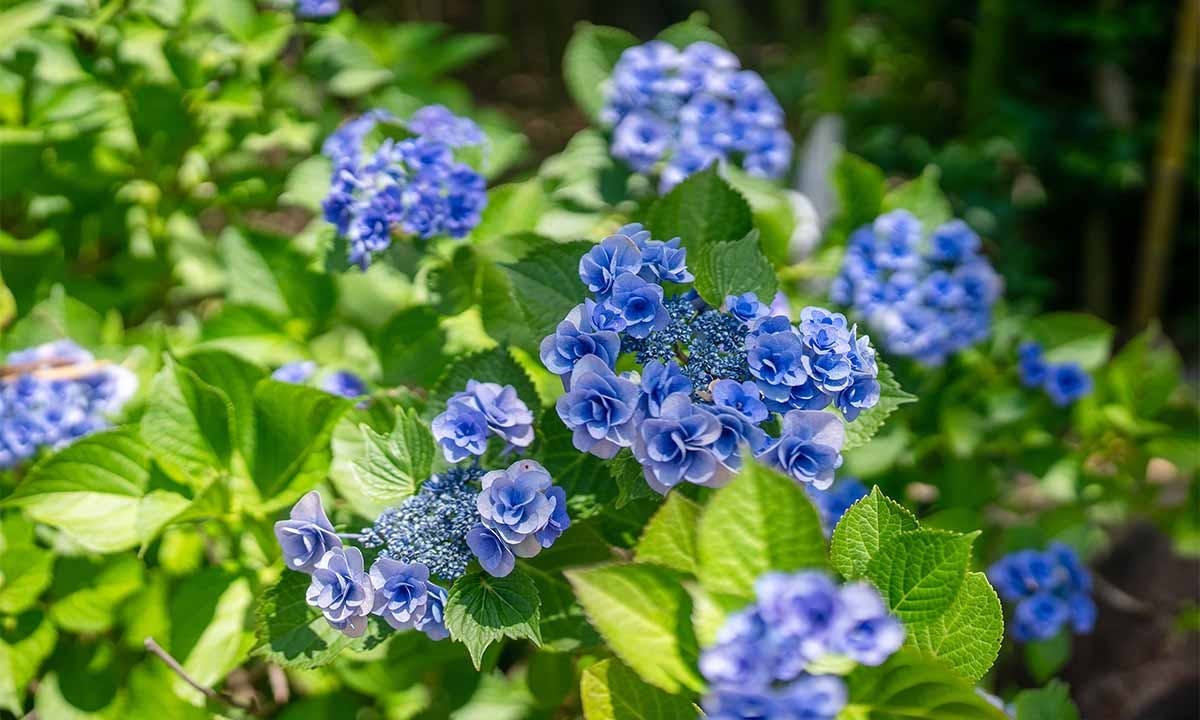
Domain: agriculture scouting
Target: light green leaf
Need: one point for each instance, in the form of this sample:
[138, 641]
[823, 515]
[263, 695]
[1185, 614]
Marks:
[868, 423]
[208, 610]
[588, 61]
[1073, 337]
[104, 491]
[869, 525]
[250, 279]
[235, 378]
[611, 691]
[644, 614]
[187, 424]
[394, 466]
[25, 643]
[1052, 702]
[96, 592]
[512, 208]
[911, 687]
[919, 572]
[482, 609]
[25, 572]
[922, 197]
[496, 365]
[1045, 658]
[761, 521]
[1145, 373]
[55, 318]
[670, 536]
[967, 636]
[733, 268]
[289, 632]
[292, 425]
[702, 210]
[694, 29]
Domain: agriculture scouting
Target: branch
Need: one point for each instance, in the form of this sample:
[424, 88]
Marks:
[204, 690]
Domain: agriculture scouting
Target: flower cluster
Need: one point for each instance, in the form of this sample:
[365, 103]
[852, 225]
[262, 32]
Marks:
[1051, 589]
[481, 410]
[834, 501]
[710, 377]
[521, 512]
[761, 665]
[687, 109]
[928, 296]
[317, 9]
[53, 394]
[340, 382]
[343, 591]
[413, 184]
[1063, 382]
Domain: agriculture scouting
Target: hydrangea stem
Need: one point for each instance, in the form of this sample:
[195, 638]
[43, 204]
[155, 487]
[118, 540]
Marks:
[154, 648]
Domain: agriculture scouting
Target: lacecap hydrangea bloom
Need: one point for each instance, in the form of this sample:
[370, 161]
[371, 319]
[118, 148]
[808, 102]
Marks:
[675, 112]
[484, 409]
[53, 394]
[1051, 589]
[710, 378]
[1063, 382]
[927, 292]
[521, 512]
[761, 664]
[344, 591]
[413, 186]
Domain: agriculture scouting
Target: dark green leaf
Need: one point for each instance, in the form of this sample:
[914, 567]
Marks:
[703, 210]
[483, 609]
[733, 268]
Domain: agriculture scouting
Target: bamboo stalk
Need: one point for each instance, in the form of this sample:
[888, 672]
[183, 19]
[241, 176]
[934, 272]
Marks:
[1162, 205]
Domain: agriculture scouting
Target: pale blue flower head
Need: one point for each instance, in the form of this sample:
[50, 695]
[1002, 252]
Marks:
[743, 397]
[1066, 383]
[344, 384]
[433, 622]
[401, 591]
[775, 359]
[953, 242]
[677, 446]
[658, 383]
[599, 407]
[342, 591]
[1030, 364]
[495, 555]
[295, 372]
[616, 255]
[809, 450]
[461, 431]
[515, 504]
[640, 305]
[1040, 617]
[306, 535]
[864, 630]
[577, 337]
[507, 415]
[746, 307]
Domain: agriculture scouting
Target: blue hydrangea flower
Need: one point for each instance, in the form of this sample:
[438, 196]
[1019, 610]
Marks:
[824, 332]
[413, 186]
[676, 112]
[600, 267]
[775, 356]
[515, 503]
[926, 297]
[677, 446]
[658, 383]
[344, 384]
[1031, 365]
[742, 397]
[430, 527]
[737, 432]
[1040, 617]
[495, 556]
[640, 305]
[662, 261]
[506, 414]
[342, 591]
[401, 592]
[809, 450]
[802, 609]
[307, 535]
[433, 622]
[746, 307]
[864, 631]
[461, 431]
[577, 337]
[559, 520]
[834, 501]
[296, 372]
[598, 407]
[1067, 382]
[1050, 589]
[316, 9]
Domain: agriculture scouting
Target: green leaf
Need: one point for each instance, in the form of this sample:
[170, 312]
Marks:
[1052, 702]
[694, 29]
[292, 425]
[760, 521]
[1073, 337]
[235, 378]
[585, 477]
[611, 691]
[922, 197]
[90, 594]
[670, 537]
[496, 365]
[630, 479]
[911, 687]
[394, 466]
[1046, 657]
[545, 285]
[207, 611]
[482, 609]
[511, 208]
[733, 268]
[187, 423]
[1145, 373]
[867, 526]
[25, 568]
[412, 347]
[564, 627]
[55, 318]
[103, 491]
[588, 61]
[289, 632]
[644, 614]
[25, 642]
[859, 185]
[868, 423]
[702, 210]
[968, 635]
[251, 281]
[920, 572]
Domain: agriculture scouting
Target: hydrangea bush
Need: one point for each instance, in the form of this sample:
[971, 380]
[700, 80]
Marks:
[379, 436]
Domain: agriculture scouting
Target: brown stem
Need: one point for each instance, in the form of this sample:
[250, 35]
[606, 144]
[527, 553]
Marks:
[211, 694]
